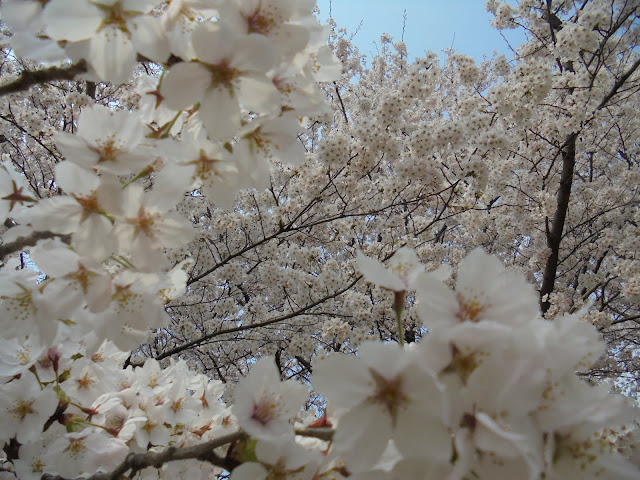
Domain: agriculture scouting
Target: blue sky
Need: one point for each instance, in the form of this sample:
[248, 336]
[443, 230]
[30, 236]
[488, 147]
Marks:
[431, 25]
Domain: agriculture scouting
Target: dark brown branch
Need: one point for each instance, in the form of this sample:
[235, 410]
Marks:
[29, 78]
[554, 232]
[633, 318]
[554, 22]
[203, 452]
[304, 363]
[22, 242]
[344, 112]
[91, 89]
[139, 461]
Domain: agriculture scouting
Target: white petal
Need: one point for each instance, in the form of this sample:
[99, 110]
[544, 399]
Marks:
[326, 67]
[112, 55]
[72, 20]
[375, 272]
[422, 436]
[193, 74]
[73, 178]
[213, 42]
[75, 149]
[149, 39]
[361, 437]
[254, 53]
[256, 92]
[220, 114]
[54, 258]
[249, 471]
[438, 304]
[344, 380]
[388, 359]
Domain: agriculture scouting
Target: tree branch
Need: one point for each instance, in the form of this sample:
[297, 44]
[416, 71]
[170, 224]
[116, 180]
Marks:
[554, 233]
[344, 112]
[29, 241]
[139, 461]
[29, 78]
[625, 76]
[203, 452]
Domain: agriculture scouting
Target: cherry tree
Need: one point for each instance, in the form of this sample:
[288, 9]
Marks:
[358, 204]
[460, 154]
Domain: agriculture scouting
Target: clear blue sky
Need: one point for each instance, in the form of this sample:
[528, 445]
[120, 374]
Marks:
[431, 25]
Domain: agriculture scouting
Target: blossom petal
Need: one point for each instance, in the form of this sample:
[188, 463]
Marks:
[220, 114]
[72, 20]
[375, 272]
[173, 88]
[112, 55]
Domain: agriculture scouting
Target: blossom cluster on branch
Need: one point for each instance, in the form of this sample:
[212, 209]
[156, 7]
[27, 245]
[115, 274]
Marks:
[217, 212]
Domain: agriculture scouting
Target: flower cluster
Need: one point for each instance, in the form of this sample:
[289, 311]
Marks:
[478, 385]
[490, 391]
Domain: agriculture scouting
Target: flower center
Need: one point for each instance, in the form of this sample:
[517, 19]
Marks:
[76, 447]
[260, 22]
[22, 408]
[205, 166]
[222, 75]
[263, 411]
[89, 205]
[108, 151]
[389, 394]
[468, 310]
[115, 16]
[24, 355]
[463, 364]
[82, 277]
[144, 223]
[85, 382]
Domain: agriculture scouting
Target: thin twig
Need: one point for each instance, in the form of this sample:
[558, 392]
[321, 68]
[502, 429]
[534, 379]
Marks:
[241, 328]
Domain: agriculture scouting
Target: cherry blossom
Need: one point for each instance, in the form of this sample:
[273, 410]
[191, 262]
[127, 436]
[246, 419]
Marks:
[223, 79]
[403, 269]
[532, 158]
[114, 32]
[113, 147]
[474, 299]
[384, 384]
[84, 452]
[25, 408]
[264, 405]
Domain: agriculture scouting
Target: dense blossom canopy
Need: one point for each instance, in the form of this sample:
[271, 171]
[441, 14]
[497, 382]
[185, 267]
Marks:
[230, 241]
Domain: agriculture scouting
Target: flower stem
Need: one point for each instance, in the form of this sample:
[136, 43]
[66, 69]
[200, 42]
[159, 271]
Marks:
[398, 307]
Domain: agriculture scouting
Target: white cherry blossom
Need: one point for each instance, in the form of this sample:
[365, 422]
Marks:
[382, 383]
[106, 141]
[115, 31]
[265, 406]
[506, 299]
[223, 78]
[24, 407]
[398, 276]
[84, 452]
